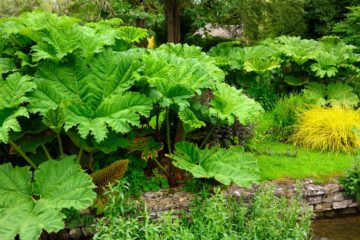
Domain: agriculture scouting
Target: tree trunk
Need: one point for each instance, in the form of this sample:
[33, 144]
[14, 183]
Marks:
[173, 10]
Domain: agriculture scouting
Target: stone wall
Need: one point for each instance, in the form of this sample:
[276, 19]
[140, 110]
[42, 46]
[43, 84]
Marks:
[326, 200]
[329, 199]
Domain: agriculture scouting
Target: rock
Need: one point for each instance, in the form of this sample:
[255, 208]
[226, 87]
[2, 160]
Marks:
[322, 207]
[338, 197]
[340, 205]
[63, 234]
[53, 236]
[44, 235]
[314, 200]
[353, 203]
[85, 211]
[328, 198]
[314, 190]
[75, 233]
[331, 188]
[330, 214]
[88, 231]
[348, 211]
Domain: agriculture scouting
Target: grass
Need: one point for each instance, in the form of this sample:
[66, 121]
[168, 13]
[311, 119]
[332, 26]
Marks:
[320, 166]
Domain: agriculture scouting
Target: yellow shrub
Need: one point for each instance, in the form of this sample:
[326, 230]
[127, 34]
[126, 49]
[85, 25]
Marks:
[333, 129]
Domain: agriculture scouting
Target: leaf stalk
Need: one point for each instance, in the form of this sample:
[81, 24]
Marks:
[21, 152]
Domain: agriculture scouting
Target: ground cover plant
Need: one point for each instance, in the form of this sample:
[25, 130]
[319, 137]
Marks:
[351, 179]
[214, 217]
[284, 161]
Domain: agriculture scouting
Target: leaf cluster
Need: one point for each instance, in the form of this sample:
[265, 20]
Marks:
[33, 202]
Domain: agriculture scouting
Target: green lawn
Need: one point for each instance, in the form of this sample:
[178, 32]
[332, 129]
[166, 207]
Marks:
[307, 164]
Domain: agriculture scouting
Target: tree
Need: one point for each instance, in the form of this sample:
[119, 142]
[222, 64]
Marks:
[322, 15]
[349, 28]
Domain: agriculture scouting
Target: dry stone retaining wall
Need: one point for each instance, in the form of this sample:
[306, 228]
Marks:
[326, 200]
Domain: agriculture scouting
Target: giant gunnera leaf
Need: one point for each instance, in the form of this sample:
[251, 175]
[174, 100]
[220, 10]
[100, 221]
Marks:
[224, 165]
[29, 205]
[13, 92]
[230, 104]
[93, 97]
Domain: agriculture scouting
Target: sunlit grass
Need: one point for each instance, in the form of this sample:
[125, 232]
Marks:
[320, 166]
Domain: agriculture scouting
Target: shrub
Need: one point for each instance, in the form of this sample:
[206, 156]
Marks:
[215, 217]
[285, 115]
[333, 129]
[351, 181]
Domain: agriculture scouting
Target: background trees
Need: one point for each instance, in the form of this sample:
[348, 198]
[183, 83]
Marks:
[177, 20]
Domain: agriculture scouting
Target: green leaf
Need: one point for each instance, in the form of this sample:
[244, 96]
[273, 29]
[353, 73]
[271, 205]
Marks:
[118, 112]
[54, 119]
[28, 220]
[8, 121]
[31, 144]
[34, 204]
[174, 79]
[259, 59]
[340, 94]
[316, 93]
[111, 143]
[15, 184]
[294, 81]
[230, 104]
[148, 147]
[68, 186]
[131, 34]
[296, 49]
[6, 65]
[225, 165]
[190, 121]
[92, 96]
[14, 89]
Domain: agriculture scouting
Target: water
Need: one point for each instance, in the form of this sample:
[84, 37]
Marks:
[345, 228]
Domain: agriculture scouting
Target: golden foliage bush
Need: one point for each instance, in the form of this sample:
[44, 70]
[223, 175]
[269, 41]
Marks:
[332, 129]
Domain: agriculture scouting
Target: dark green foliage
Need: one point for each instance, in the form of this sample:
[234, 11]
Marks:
[264, 93]
[210, 217]
[285, 115]
[349, 28]
[235, 135]
[75, 219]
[321, 15]
[140, 182]
[351, 180]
